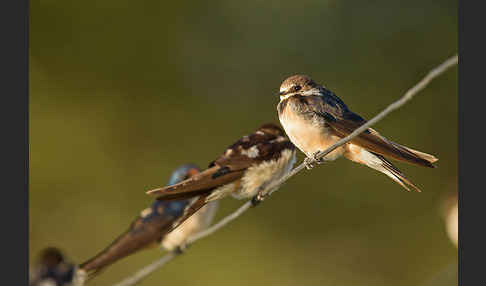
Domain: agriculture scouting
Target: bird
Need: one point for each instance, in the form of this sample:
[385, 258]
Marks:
[244, 170]
[449, 209]
[314, 118]
[151, 228]
[52, 269]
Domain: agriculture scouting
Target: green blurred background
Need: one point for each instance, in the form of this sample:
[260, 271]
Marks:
[122, 92]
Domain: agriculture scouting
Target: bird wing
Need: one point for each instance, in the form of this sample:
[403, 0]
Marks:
[228, 167]
[343, 122]
[199, 184]
[190, 210]
[140, 235]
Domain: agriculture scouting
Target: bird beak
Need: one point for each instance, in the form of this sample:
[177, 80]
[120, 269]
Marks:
[285, 95]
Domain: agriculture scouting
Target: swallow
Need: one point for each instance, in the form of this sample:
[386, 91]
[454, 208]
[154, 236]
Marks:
[244, 170]
[52, 269]
[314, 118]
[151, 228]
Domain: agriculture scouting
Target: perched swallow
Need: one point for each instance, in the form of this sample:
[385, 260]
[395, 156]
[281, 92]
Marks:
[52, 269]
[243, 170]
[152, 225]
[314, 118]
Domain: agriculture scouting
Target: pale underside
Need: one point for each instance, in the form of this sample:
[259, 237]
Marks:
[194, 224]
[255, 177]
[310, 136]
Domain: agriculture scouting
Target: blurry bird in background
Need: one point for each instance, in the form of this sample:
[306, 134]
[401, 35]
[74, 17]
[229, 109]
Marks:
[314, 118]
[151, 227]
[243, 171]
[450, 215]
[52, 269]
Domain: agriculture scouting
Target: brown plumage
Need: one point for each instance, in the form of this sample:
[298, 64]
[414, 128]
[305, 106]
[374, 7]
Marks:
[241, 171]
[314, 118]
[152, 227]
[203, 183]
[138, 236]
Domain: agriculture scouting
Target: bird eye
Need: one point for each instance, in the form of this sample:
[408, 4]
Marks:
[297, 87]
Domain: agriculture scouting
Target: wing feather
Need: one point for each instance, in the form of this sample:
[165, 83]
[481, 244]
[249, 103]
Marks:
[229, 167]
[199, 184]
[343, 122]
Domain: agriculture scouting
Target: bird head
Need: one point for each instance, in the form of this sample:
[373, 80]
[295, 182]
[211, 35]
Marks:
[299, 85]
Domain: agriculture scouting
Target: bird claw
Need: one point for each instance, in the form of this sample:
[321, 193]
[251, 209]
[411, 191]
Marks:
[256, 200]
[318, 160]
[309, 161]
[181, 249]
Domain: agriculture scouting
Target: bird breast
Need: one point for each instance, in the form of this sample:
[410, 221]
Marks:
[308, 133]
[263, 174]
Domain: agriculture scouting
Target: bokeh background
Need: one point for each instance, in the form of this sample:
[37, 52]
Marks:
[122, 92]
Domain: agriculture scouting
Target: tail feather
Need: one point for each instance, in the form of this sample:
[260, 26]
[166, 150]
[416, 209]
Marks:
[139, 236]
[379, 163]
[187, 186]
[372, 141]
[197, 185]
[118, 249]
[406, 154]
[425, 156]
[395, 174]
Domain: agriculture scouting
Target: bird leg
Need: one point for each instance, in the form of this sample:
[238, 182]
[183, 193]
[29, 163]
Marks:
[309, 161]
[318, 160]
[256, 200]
[180, 249]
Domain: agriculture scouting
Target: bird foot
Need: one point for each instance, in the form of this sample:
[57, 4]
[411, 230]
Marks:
[180, 249]
[256, 200]
[309, 161]
[318, 160]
